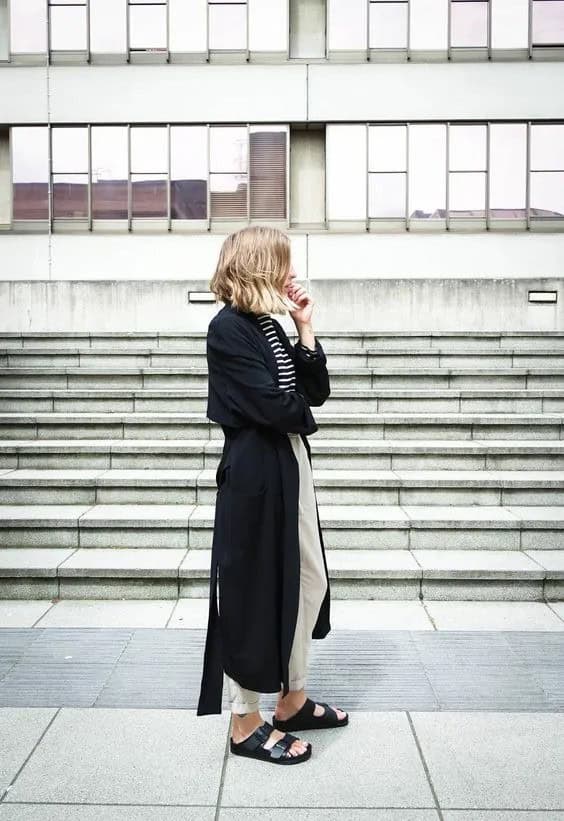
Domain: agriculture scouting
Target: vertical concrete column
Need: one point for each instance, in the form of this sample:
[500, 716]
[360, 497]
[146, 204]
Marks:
[308, 28]
[307, 176]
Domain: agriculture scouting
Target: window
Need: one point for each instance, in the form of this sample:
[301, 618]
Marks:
[181, 173]
[30, 172]
[456, 175]
[109, 172]
[69, 151]
[68, 25]
[547, 171]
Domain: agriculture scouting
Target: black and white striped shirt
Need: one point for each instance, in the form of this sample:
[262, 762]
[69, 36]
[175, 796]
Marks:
[286, 371]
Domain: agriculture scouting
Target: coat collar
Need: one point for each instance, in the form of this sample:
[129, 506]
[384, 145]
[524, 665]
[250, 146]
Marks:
[263, 341]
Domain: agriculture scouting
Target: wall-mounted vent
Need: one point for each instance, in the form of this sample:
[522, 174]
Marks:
[543, 296]
[201, 296]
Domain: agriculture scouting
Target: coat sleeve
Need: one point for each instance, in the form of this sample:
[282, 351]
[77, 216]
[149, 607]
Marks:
[248, 386]
[311, 372]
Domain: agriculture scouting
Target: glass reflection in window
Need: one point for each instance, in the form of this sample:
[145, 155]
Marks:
[228, 171]
[387, 165]
[467, 170]
[508, 170]
[30, 169]
[189, 172]
[109, 172]
[427, 171]
[149, 171]
[547, 171]
[70, 172]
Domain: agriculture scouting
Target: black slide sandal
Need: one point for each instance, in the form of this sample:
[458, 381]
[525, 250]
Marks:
[252, 747]
[304, 719]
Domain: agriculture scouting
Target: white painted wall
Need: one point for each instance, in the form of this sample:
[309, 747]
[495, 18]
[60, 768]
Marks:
[429, 91]
[316, 256]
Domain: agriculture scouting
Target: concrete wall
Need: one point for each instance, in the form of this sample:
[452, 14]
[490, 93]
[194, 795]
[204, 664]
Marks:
[345, 304]
[316, 256]
[281, 93]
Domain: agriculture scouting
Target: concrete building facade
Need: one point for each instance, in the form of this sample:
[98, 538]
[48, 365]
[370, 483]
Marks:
[412, 149]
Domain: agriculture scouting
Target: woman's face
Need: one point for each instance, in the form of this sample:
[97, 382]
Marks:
[292, 276]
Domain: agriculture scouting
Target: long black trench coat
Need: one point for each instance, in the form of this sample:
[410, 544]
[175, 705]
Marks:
[255, 544]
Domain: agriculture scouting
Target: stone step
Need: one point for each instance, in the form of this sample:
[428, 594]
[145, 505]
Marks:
[458, 378]
[400, 574]
[195, 340]
[338, 454]
[332, 486]
[341, 425]
[367, 356]
[374, 527]
[396, 400]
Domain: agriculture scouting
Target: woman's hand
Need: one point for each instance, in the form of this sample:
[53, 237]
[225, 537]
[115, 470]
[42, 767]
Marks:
[299, 295]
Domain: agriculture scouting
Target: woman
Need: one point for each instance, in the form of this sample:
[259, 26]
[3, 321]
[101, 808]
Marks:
[267, 541]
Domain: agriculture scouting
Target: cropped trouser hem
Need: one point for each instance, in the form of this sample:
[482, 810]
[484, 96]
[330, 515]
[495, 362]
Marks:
[313, 586]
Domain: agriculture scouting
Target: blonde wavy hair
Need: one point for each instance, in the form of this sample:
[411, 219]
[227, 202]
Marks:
[252, 269]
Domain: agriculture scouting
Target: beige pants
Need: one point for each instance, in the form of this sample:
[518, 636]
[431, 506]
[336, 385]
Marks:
[313, 586]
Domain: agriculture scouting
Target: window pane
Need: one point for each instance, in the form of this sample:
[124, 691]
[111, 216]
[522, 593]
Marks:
[188, 25]
[547, 147]
[469, 23]
[147, 27]
[429, 24]
[427, 171]
[30, 164]
[346, 172]
[228, 27]
[548, 22]
[70, 196]
[28, 26]
[108, 26]
[387, 148]
[148, 195]
[228, 149]
[189, 171]
[268, 172]
[149, 149]
[109, 172]
[510, 24]
[228, 195]
[386, 195]
[467, 147]
[547, 194]
[508, 169]
[347, 24]
[68, 28]
[70, 149]
[467, 195]
[388, 25]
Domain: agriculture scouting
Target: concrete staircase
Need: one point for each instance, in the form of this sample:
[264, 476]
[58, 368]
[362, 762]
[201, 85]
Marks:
[439, 465]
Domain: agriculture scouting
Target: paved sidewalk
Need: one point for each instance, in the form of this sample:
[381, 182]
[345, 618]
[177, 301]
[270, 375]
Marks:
[104, 763]
[98, 722]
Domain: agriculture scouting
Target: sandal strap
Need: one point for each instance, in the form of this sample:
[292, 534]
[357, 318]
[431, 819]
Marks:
[282, 745]
[258, 738]
[329, 711]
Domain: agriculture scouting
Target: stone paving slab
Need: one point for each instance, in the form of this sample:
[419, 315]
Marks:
[488, 761]
[124, 756]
